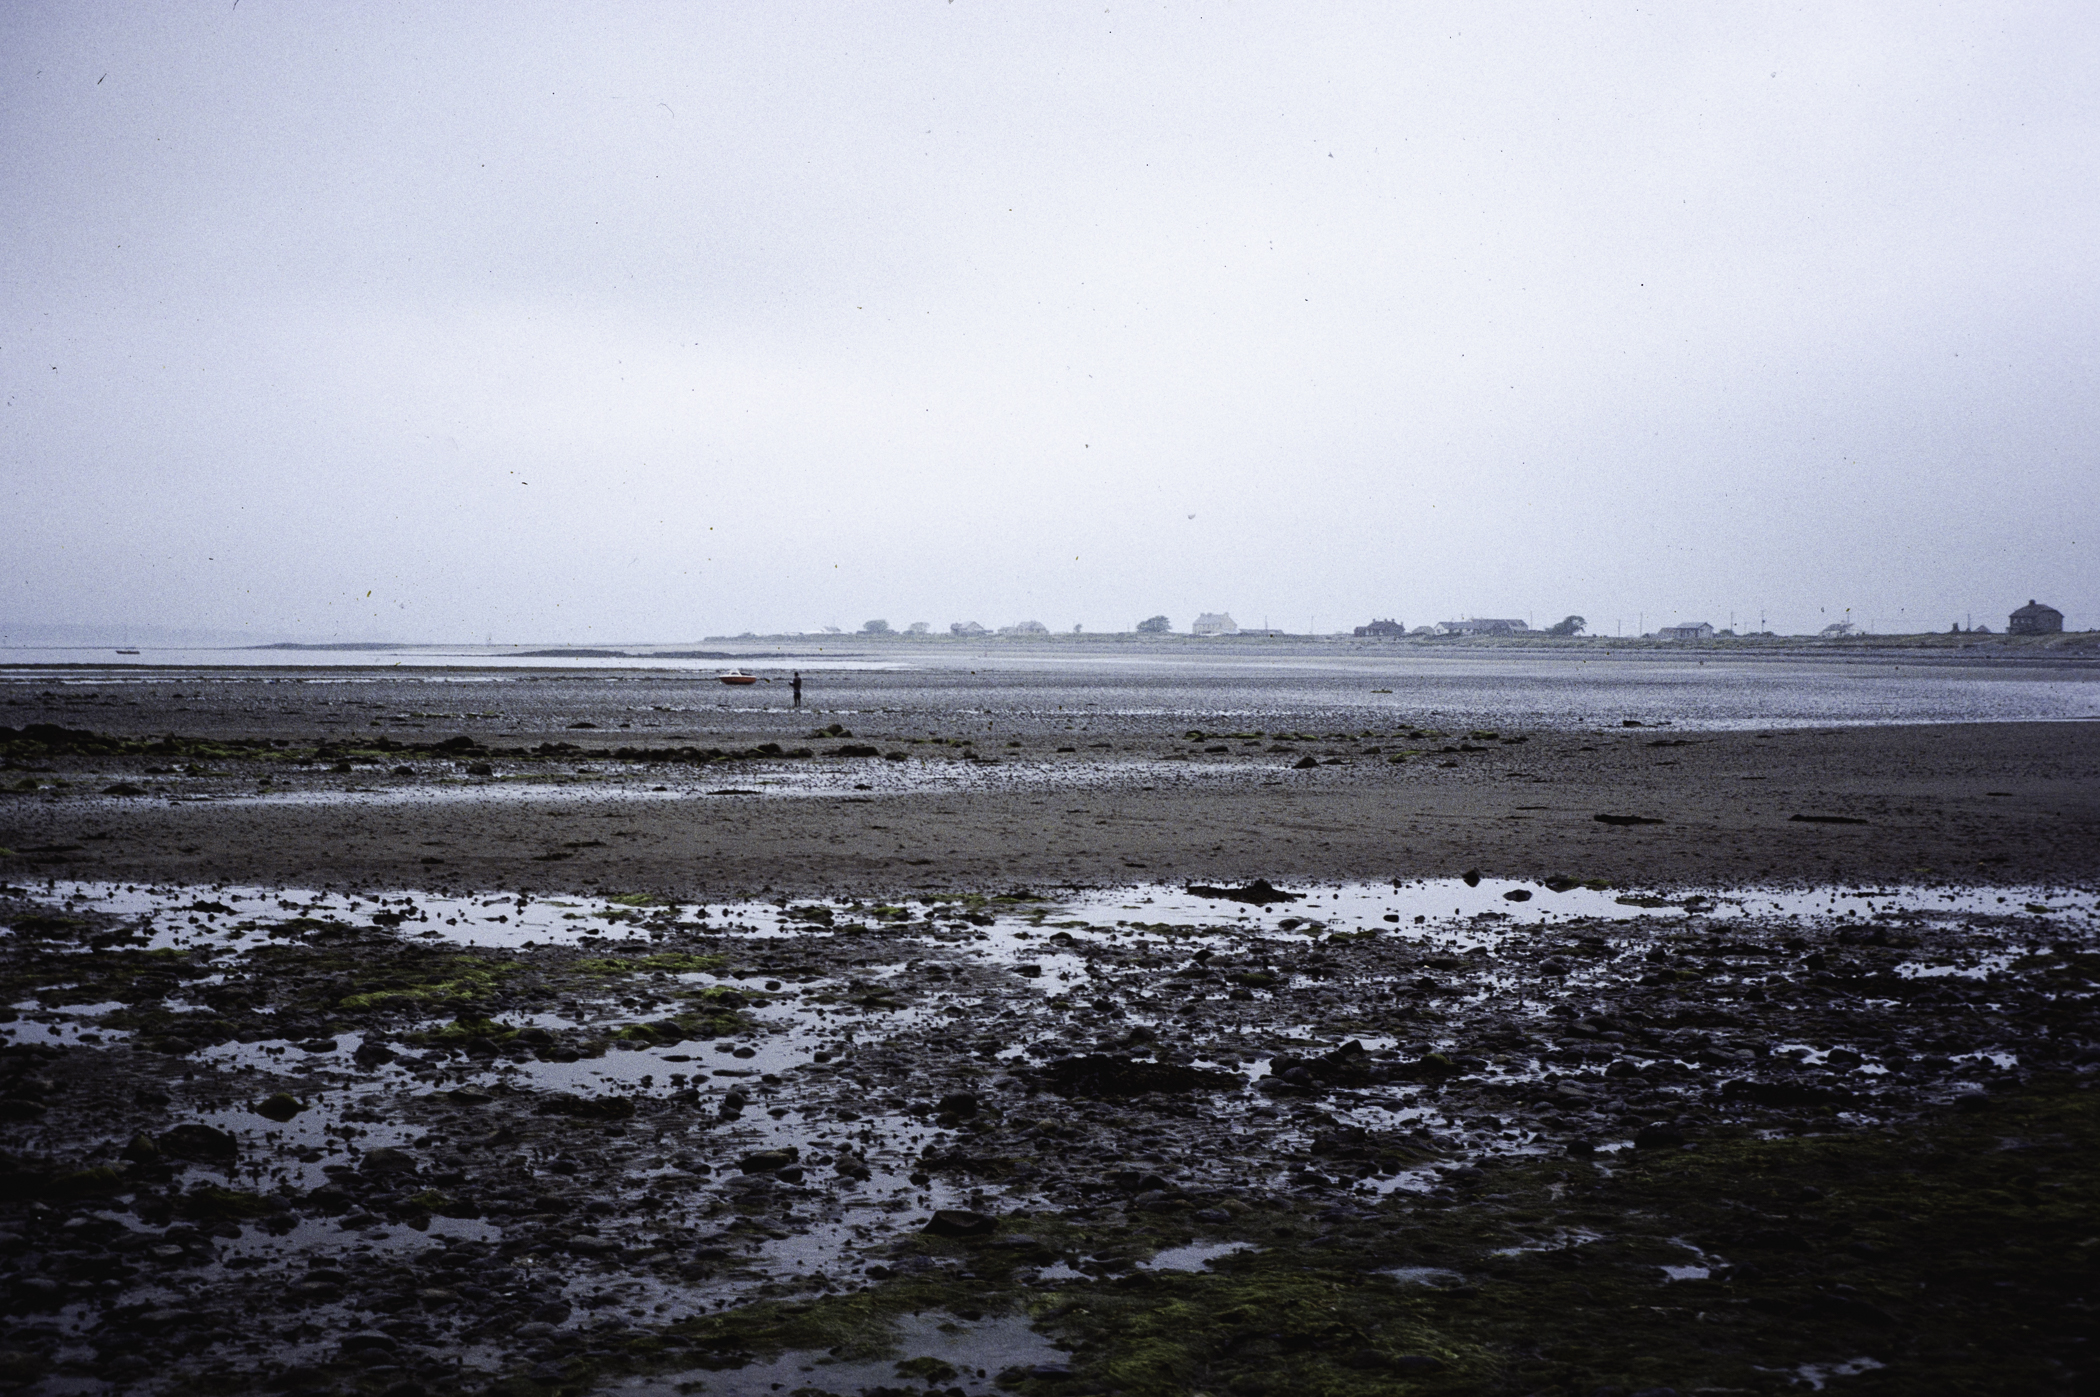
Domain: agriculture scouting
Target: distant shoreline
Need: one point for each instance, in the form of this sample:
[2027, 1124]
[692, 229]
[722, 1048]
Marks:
[2070, 650]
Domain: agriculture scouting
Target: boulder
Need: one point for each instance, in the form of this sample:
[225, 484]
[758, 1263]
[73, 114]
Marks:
[200, 1144]
[956, 1222]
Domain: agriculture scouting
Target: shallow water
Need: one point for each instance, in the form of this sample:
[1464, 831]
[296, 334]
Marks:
[1466, 913]
[976, 1350]
[948, 689]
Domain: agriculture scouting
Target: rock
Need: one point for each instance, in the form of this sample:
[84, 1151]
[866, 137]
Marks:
[955, 1222]
[279, 1106]
[1517, 895]
[318, 1045]
[200, 1144]
[369, 1341]
[769, 1161]
[1662, 1135]
[468, 1096]
[961, 1104]
[370, 1054]
[1257, 892]
[124, 788]
[1098, 1074]
[596, 1108]
[388, 1160]
[1305, 764]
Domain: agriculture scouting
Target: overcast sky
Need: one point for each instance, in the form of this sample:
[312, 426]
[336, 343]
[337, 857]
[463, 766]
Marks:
[620, 322]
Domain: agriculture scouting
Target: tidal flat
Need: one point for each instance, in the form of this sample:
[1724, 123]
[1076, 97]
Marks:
[332, 1064]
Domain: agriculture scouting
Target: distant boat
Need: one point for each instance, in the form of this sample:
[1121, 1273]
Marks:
[127, 652]
[737, 676]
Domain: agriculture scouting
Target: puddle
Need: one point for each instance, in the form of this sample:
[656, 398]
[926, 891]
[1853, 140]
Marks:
[1194, 1257]
[1046, 930]
[940, 1351]
[1423, 1275]
[1818, 1375]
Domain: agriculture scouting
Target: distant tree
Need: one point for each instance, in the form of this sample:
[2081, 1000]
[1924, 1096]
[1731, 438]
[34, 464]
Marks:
[875, 628]
[1571, 625]
[918, 628]
[1155, 625]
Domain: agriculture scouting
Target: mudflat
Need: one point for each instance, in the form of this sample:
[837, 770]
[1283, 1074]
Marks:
[603, 1040]
[884, 809]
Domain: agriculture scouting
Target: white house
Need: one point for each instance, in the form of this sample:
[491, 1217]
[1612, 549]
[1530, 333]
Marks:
[1215, 623]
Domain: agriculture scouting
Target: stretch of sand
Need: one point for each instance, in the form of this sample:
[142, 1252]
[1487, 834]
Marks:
[1991, 803]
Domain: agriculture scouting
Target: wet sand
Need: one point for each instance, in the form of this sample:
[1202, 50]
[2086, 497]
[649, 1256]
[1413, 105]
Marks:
[2016, 803]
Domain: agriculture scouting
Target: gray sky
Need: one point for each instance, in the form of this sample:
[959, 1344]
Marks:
[618, 322]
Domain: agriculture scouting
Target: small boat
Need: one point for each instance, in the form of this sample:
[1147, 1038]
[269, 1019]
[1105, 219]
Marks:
[737, 676]
[127, 652]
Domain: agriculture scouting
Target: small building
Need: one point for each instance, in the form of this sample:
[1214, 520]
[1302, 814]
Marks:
[1482, 625]
[1382, 628]
[1215, 623]
[966, 628]
[1025, 628]
[2035, 619]
[1698, 630]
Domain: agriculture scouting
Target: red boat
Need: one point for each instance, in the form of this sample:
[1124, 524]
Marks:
[737, 676]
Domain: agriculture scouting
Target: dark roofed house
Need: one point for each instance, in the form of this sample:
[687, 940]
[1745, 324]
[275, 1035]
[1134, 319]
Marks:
[2035, 619]
[1698, 630]
[1382, 628]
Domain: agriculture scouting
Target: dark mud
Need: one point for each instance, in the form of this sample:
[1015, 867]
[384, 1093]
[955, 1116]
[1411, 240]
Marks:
[276, 1143]
[887, 803]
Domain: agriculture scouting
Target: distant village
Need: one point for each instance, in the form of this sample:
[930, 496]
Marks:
[2034, 618]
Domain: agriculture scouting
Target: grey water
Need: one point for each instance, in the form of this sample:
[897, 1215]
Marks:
[1143, 691]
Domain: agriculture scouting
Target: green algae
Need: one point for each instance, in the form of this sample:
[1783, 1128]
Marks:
[467, 980]
[1956, 1252]
[669, 962]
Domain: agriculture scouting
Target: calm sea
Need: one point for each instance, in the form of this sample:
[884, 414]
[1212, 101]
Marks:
[1301, 685]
